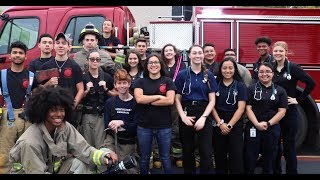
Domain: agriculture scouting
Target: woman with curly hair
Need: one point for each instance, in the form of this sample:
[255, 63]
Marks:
[51, 144]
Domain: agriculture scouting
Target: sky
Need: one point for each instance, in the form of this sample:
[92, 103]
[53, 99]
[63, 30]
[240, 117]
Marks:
[2, 8]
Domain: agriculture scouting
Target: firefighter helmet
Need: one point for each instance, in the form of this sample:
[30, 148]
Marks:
[89, 29]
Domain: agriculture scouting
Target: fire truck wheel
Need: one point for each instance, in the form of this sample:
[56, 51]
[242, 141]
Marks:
[302, 127]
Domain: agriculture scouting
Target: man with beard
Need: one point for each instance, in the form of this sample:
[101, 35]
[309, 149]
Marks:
[16, 84]
[45, 45]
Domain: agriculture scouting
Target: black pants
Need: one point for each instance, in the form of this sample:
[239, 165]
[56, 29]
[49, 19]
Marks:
[228, 149]
[289, 128]
[266, 143]
[76, 118]
[204, 136]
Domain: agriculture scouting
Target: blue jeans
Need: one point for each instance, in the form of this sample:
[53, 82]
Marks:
[163, 137]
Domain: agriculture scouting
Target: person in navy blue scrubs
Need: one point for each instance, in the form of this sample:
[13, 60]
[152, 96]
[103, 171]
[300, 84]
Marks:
[228, 123]
[195, 99]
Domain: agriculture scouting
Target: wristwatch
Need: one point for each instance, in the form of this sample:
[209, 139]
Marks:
[268, 124]
[229, 126]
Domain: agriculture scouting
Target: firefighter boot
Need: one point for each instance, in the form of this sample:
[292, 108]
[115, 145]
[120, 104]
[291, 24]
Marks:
[179, 163]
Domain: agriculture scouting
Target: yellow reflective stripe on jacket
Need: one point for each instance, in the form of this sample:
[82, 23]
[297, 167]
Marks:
[176, 150]
[57, 165]
[17, 166]
[97, 157]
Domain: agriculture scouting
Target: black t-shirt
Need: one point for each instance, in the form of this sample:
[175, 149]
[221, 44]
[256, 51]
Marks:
[17, 83]
[259, 97]
[154, 116]
[134, 80]
[171, 70]
[111, 41]
[70, 74]
[214, 67]
[36, 64]
[93, 99]
[125, 111]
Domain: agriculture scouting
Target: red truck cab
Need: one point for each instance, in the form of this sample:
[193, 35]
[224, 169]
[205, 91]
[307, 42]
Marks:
[27, 23]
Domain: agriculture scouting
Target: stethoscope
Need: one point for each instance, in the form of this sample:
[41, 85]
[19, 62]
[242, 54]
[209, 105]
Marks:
[258, 91]
[268, 60]
[234, 92]
[288, 71]
[188, 77]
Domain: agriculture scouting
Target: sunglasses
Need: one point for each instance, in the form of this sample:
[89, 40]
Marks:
[95, 59]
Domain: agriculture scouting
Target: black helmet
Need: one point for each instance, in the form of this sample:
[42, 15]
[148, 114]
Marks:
[89, 29]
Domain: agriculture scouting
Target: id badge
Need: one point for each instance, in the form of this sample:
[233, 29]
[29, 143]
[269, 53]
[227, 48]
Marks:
[253, 132]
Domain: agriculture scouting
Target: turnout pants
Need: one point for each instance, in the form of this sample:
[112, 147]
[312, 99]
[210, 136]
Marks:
[9, 134]
[92, 129]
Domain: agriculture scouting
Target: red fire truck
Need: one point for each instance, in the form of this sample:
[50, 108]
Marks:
[238, 28]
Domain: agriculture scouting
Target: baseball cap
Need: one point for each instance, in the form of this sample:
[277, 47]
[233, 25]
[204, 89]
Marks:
[62, 35]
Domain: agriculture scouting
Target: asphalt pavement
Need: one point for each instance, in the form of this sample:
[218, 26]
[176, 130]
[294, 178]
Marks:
[307, 164]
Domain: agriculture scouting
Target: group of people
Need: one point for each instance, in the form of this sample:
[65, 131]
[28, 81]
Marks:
[94, 113]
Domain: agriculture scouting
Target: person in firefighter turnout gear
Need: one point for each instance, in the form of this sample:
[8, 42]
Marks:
[89, 38]
[51, 144]
[16, 84]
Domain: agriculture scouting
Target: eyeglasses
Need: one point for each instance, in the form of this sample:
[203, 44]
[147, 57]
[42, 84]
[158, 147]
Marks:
[155, 63]
[95, 59]
[266, 72]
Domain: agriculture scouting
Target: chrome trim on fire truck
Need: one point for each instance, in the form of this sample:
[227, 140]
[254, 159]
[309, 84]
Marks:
[237, 34]
[311, 69]
[153, 40]
[279, 22]
[128, 31]
[196, 31]
[259, 17]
